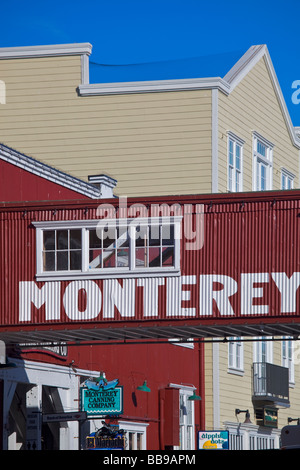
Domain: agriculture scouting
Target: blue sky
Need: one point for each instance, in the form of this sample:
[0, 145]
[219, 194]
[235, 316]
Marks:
[163, 33]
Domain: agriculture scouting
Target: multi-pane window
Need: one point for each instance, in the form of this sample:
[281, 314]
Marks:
[262, 163]
[91, 248]
[287, 358]
[135, 435]
[186, 421]
[108, 248]
[263, 350]
[155, 246]
[287, 179]
[234, 164]
[152, 246]
[62, 250]
[235, 354]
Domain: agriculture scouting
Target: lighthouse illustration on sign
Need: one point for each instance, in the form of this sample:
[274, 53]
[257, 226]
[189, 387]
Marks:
[101, 383]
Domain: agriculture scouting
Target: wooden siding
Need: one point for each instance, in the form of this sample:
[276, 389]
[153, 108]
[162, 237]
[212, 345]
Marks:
[152, 143]
[253, 106]
[235, 390]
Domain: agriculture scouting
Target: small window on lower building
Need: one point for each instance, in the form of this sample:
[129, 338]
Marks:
[135, 435]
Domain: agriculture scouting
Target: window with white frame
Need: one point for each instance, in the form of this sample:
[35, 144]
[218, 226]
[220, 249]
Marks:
[186, 421]
[93, 248]
[262, 163]
[287, 357]
[235, 354]
[235, 154]
[186, 417]
[135, 435]
[287, 179]
[262, 350]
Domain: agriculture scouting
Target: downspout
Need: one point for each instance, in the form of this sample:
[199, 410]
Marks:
[202, 384]
[161, 419]
[214, 140]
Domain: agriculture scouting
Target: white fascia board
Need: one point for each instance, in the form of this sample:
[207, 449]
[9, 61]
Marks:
[154, 86]
[295, 138]
[243, 67]
[45, 51]
[44, 171]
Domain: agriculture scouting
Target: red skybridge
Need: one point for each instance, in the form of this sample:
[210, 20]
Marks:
[148, 269]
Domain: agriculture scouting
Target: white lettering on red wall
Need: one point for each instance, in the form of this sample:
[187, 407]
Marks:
[182, 296]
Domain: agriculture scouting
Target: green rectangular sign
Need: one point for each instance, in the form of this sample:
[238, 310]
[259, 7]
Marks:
[102, 402]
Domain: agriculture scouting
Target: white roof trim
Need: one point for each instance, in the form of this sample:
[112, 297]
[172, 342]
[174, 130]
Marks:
[154, 86]
[45, 51]
[243, 67]
[51, 174]
[295, 138]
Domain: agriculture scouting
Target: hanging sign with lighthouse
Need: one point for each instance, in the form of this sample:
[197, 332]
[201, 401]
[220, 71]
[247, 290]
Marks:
[101, 397]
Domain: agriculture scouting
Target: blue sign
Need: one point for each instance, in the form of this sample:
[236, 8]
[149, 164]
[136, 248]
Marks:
[213, 440]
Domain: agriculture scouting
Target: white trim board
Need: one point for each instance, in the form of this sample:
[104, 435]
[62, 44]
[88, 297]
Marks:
[154, 86]
[45, 51]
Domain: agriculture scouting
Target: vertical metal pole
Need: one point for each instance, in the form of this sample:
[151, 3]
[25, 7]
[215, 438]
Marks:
[202, 383]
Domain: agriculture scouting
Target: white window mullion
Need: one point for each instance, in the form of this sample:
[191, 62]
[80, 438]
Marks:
[132, 237]
[39, 248]
[85, 249]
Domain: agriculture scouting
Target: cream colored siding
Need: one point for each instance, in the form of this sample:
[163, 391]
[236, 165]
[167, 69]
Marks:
[235, 389]
[253, 106]
[152, 143]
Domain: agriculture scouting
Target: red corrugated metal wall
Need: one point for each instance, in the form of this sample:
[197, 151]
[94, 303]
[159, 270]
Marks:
[16, 184]
[240, 237]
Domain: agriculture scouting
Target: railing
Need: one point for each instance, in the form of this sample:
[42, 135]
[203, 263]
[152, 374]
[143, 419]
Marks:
[270, 382]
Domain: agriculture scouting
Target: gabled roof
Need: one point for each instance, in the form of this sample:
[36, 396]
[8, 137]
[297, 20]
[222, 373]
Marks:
[42, 170]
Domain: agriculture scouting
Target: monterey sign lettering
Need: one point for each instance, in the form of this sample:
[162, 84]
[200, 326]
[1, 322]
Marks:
[160, 297]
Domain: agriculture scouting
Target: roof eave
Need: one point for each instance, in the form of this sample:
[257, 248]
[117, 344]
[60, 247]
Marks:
[154, 86]
[24, 52]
